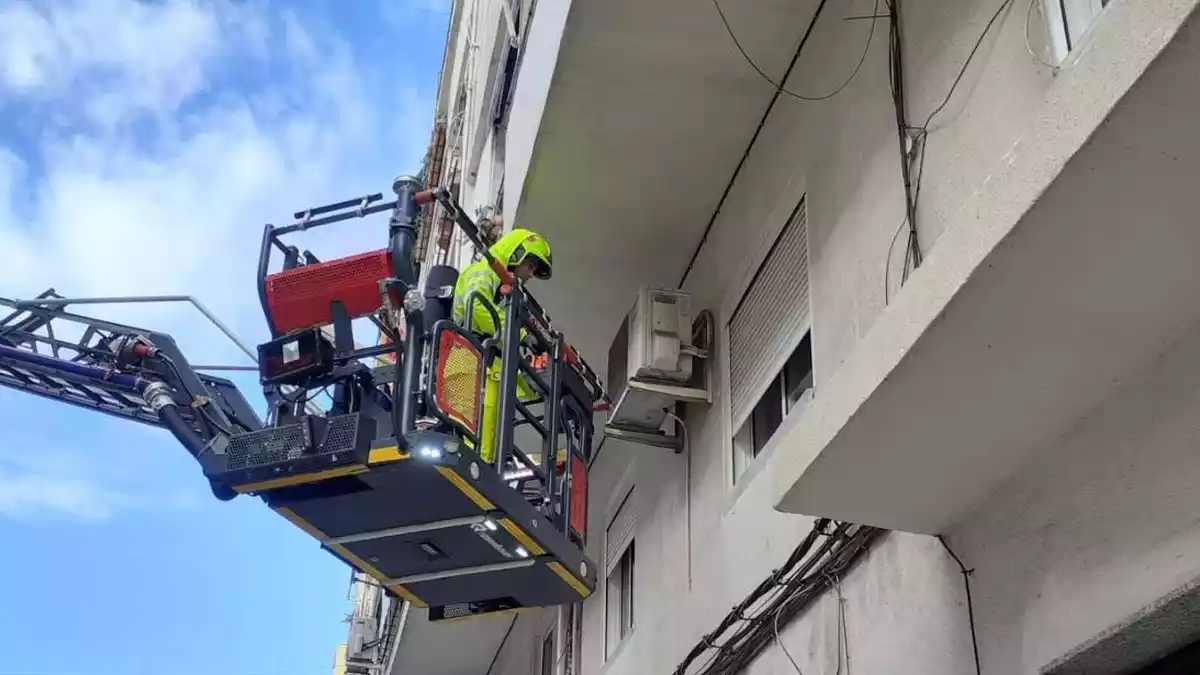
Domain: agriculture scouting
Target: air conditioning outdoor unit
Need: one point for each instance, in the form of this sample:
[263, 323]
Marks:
[652, 364]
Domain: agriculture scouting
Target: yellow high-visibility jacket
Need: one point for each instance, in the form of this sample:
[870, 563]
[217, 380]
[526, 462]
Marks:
[478, 288]
[478, 310]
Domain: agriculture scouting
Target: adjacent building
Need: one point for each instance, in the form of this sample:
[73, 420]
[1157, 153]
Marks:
[949, 254]
[372, 627]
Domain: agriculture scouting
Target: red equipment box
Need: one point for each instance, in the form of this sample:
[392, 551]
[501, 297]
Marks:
[303, 297]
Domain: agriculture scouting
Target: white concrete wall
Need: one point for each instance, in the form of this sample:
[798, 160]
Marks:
[904, 611]
[522, 651]
[477, 56]
[1103, 513]
[1107, 513]
[529, 95]
[1105, 523]
[480, 29]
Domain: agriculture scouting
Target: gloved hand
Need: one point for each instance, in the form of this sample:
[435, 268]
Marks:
[532, 345]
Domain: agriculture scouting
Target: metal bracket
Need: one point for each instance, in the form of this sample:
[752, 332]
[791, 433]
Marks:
[655, 439]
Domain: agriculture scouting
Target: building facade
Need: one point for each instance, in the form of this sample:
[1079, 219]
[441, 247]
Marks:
[372, 627]
[949, 253]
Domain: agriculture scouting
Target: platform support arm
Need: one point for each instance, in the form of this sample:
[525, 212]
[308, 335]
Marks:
[403, 235]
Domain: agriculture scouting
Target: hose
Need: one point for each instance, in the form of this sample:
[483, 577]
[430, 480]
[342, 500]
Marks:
[159, 397]
[59, 367]
[403, 229]
[187, 437]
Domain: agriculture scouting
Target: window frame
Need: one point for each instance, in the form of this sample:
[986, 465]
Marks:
[625, 605]
[795, 192]
[1058, 23]
[624, 570]
[744, 453]
[546, 661]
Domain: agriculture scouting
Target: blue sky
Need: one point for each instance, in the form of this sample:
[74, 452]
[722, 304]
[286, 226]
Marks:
[142, 146]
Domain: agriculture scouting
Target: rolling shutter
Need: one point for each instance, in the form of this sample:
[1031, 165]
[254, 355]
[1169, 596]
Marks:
[619, 533]
[770, 317]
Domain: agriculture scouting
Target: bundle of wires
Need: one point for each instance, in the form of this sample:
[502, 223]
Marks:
[821, 558]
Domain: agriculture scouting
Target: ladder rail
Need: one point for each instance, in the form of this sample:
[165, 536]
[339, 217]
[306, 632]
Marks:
[38, 357]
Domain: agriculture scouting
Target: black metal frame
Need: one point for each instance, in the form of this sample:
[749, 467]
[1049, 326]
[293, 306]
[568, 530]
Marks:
[95, 376]
[523, 311]
[272, 239]
[555, 488]
[550, 426]
[20, 329]
[402, 236]
[125, 372]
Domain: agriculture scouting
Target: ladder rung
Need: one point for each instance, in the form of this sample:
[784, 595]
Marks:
[113, 402]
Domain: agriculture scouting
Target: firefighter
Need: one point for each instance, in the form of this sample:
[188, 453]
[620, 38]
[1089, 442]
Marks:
[477, 309]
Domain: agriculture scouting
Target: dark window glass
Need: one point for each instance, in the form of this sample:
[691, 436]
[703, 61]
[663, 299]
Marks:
[548, 654]
[627, 591]
[797, 372]
[767, 416]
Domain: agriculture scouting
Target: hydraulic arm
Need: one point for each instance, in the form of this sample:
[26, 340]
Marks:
[120, 370]
[388, 477]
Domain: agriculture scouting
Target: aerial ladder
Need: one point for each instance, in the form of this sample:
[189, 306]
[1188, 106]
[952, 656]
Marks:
[389, 478]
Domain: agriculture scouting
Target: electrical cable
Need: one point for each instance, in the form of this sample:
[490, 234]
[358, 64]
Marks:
[1028, 46]
[839, 551]
[843, 632]
[963, 70]
[738, 610]
[749, 628]
[500, 647]
[839, 627]
[896, 86]
[750, 146]
[779, 85]
[783, 647]
[966, 574]
[687, 492]
[920, 136]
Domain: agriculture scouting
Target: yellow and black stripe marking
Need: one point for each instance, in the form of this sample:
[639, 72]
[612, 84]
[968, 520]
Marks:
[522, 537]
[383, 455]
[466, 488]
[301, 479]
[571, 579]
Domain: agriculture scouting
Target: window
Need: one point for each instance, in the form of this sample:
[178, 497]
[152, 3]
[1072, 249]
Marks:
[508, 78]
[618, 604]
[573, 641]
[619, 566]
[1068, 21]
[548, 654]
[786, 391]
[769, 341]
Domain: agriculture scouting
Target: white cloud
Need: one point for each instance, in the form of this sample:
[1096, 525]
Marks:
[159, 180]
[66, 493]
[27, 494]
[118, 56]
[142, 147]
[86, 467]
